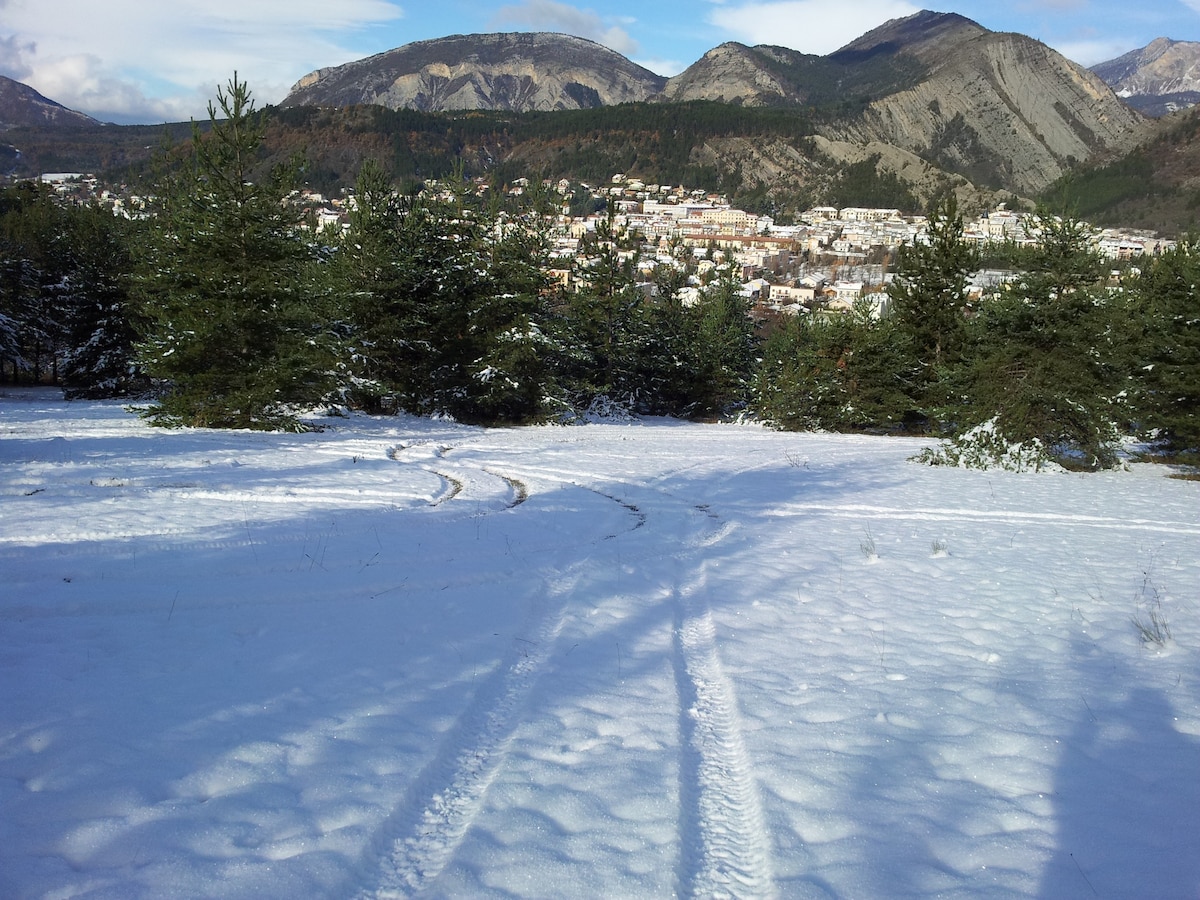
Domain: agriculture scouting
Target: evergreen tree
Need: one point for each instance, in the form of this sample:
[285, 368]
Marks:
[929, 302]
[667, 362]
[230, 298]
[445, 304]
[1044, 361]
[99, 360]
[722, 351]
[609, 337]
[375, 266]
[842, 372]
[35, 263]
[511, 375]
[1167, 304]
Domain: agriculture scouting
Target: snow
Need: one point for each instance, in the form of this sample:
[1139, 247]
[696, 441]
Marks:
[406, 657]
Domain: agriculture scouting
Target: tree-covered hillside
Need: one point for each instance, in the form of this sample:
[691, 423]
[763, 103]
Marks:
[1156, 187]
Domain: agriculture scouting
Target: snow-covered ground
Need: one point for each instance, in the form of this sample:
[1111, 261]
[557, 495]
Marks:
[404, 657]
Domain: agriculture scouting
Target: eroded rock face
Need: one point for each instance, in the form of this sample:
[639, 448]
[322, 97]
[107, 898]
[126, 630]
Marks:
[1161, 67]
[730, 73]
[1160, 78]
[517, 72]
[1002, 108]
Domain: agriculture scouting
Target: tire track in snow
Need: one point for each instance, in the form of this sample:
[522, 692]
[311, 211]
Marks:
[456, 484]
[423, 833]
[725, 843]
[982, 516]
[726, 846]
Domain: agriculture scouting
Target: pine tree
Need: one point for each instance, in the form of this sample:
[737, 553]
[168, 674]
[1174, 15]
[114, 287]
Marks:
[229, 296]
[99, 360]
[374, 266]
[929, 303]
[1167, 352]
[35, 259]
[666, 363]
[510, 376]
[1043, 363]
[609, 321]
[445, 304]
[842, 372]
[722, 351]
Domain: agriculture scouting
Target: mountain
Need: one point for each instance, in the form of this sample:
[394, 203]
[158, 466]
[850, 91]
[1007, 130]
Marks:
[735, 73]
[518, 72]
[922, 106]
[1003, 110]
[777, 76]
[1160, 78]
[21, 105]
[999, 108]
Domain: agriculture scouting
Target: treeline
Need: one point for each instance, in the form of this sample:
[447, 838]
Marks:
[232, 313]
[223, 310]
[658, 140]
[1060, 365]
[66, 314]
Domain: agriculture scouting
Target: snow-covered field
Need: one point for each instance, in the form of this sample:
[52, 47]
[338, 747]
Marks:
[404, 657]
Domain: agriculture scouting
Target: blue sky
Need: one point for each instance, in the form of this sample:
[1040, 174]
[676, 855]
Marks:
[151, 61]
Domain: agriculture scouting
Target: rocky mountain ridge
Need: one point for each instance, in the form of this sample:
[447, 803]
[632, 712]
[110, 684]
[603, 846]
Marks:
[995, 106]
[1160, 78]
[1001, 109]
[521, 72]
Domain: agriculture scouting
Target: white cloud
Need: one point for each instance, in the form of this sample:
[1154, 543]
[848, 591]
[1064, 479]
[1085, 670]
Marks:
[1092, 52]
[810, 26]
[97, 60]
[660, 66]
[550, 15]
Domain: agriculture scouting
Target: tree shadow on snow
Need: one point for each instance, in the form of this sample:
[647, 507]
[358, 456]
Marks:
[1127, 801]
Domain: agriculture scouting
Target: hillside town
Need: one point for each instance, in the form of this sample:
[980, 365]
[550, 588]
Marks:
[828, 261]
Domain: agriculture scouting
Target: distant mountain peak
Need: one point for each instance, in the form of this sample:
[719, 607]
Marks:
[518, 71]
[1161, 77]
[21, 105]
[912, 34]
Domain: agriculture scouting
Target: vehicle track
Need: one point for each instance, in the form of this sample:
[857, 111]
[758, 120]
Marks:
[725, 847]
[422, 834]
[984, 516]
[725, 843]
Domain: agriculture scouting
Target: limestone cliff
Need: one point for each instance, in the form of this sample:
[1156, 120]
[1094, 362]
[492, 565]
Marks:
[1002, 109]
[731, 73]
[1162, 77]
[518, 72]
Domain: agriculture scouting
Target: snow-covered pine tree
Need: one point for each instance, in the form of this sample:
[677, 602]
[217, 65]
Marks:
[99, 358]
[1167, 354]
[230, 299]
[928, 302]
[1042, 363]
[34, 263]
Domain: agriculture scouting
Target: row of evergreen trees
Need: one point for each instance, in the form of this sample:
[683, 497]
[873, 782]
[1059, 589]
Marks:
[235, 315]
[1061, 362]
